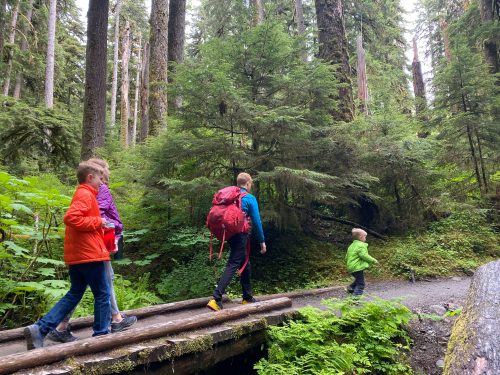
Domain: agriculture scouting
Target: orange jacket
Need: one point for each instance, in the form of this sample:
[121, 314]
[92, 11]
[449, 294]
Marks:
[83, 242]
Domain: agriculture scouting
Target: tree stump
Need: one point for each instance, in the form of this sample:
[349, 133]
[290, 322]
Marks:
[474, 346]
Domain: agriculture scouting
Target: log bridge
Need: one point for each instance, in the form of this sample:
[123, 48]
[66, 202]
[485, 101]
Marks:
[183, 335]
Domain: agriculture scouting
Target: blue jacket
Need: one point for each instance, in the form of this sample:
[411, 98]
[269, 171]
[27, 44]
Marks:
[250, 207]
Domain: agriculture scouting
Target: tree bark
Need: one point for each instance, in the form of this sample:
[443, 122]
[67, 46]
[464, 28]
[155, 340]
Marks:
[144, 94]
[258, 7]
[158, 71]
[301, 27]
[446, 40]
[24, 48]
[133, 133]
[487, 13]
[418, 82]
[94, 106]
[176, 38]
[125, 104]
[362, 83]
[114, 82]
[2, 23]
[333, 48]
[474, 342]
[42, 356]
[50, 61]
[12, 39]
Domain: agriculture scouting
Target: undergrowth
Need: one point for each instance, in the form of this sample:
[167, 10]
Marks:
[350, 337]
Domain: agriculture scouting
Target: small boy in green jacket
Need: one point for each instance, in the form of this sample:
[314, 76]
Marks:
[358, 259]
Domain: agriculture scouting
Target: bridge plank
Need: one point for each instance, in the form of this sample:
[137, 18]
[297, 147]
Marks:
[47, 355]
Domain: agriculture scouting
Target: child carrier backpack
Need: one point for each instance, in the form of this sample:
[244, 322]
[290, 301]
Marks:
[226, 218]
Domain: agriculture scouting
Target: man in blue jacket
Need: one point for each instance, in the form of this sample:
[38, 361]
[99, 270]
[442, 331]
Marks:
[238, 245]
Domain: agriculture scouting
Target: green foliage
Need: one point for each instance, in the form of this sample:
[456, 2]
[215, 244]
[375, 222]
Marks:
[350, 337]
[34, 139]
[459, 243]
[195, 278]
[31, 256]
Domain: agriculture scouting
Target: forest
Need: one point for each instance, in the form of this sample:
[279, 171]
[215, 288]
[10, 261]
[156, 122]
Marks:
[317, 100]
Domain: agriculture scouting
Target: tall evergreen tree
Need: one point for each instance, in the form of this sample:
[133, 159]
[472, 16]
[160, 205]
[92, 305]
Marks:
[94, 109]
[333, 48]
[116, 46]
[158, 66]
[51, 51]
[12, 39]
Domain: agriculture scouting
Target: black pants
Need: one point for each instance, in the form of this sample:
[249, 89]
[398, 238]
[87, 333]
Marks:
[238, 245]
[358, 285]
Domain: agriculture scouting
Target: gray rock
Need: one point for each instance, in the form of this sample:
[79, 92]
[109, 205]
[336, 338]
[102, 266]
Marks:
[440, 363]
[456, 278]
[437, 309]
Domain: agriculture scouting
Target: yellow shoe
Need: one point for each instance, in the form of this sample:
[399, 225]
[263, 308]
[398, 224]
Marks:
[247, 301]
[214, 305]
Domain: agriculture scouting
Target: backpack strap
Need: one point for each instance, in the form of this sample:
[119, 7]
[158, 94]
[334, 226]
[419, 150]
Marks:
[247, 258]
[222, 244]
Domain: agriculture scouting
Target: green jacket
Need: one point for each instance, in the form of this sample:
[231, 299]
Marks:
[357, 257]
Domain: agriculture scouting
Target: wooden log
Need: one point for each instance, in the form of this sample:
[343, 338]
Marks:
[301, 293]
[56, 353]
[474, 345]
[87, 321]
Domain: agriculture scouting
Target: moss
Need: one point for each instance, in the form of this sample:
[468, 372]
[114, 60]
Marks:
[459, 341]
[247, 327]
[120, 366]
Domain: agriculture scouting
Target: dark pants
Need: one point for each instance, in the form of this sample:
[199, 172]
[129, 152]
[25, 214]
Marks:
[358, 285]
[82, 275]
[238, 245]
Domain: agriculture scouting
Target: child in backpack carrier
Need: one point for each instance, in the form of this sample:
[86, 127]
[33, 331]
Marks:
[358, 259]
[228, 219]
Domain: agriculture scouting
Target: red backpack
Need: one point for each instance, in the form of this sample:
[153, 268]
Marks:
[226, 218]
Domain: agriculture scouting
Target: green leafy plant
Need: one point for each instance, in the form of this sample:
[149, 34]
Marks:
[349, 337]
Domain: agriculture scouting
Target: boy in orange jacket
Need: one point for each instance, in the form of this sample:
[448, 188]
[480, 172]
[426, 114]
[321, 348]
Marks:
[85, 253]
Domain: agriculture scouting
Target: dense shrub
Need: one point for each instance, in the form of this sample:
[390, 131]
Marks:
[350, 337]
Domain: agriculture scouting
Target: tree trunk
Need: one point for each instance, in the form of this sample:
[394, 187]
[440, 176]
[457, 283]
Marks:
[333, 48]
[301, 27]
[24, 48]
[487, 12]
[474, 345]
[481, 160]
[94, 103]
[133, 133]
[144, 94]
[446, 40]
[258, 7]
[125, 105]
[2, 24]
[114, 83]
[12, 39]
[176, 38]
[158, 71]
[50, 354]
[418, 82]
[50, 61]
[362, 83]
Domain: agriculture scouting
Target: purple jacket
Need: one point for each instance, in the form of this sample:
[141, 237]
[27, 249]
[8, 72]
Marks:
[108, 208]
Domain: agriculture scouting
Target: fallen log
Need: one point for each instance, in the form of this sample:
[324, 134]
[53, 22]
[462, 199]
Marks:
[474, 345]
[43, 356]
[87, 321]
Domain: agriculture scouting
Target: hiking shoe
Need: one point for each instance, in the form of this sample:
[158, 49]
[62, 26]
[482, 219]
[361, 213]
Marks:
[247, 301]
[34, 338]
[349, 290]
[214, 305]
[126, 322]
[62, 336]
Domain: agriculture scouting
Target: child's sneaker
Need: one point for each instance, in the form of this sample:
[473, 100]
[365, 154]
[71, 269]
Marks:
[126, 322]
[62, 336]
[214, 305]
[34, 338]
[247, 301]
